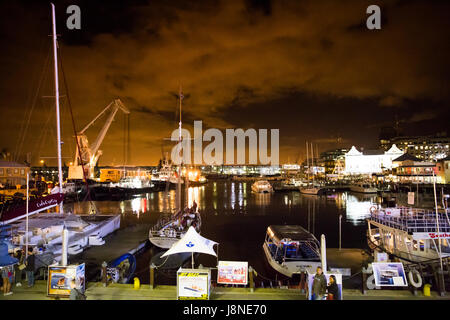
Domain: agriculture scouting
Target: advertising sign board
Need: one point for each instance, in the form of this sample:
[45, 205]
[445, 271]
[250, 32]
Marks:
[389, 274]
[232, 272]
[193, 284]
[59, 278]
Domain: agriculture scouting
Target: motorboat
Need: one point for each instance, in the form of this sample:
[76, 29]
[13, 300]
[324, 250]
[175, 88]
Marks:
[363, 188]
[311, 190]
[122, 269]
[409, 234]
[262, 186]
[290, 249]
[169, 230]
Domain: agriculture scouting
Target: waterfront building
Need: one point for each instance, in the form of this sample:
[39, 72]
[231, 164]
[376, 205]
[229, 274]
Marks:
[370, 161]
[333, 160]
[445, 169]
[410, 171]
[13, 173]
[428, 148]
[242, 170]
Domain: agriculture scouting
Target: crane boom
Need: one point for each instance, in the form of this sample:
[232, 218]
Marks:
[88, 155]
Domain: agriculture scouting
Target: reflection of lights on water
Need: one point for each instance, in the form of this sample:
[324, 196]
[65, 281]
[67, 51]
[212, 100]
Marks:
[286, 200]
[233, 196]
[122, 207]
[193, 194]
[357, 209]
[245, 188]
[215, 188]
[136, 205]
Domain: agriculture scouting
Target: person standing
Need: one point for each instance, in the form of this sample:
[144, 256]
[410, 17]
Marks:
[30, 265]
[332, 288]
[7, 280]
[75, 294]
[319, 285]
[17, 268]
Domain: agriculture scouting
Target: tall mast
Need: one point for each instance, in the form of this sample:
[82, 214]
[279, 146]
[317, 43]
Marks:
[179, 166]
[312, 160]
[58, 124]
[307, 159]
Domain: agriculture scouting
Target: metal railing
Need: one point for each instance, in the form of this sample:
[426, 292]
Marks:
[411, 219]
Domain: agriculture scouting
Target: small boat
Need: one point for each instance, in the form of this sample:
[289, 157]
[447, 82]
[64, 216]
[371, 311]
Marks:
[262, 186]
[363, 188]
[125, 266]
[167, 231]
[290, 249]
[312, 190]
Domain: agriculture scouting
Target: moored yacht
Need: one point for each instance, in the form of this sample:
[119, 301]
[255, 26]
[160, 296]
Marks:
[168, 231]
[262, 186]
[290, 249]
[363, 188]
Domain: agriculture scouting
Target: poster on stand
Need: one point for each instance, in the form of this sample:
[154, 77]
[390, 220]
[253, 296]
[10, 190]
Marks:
[193, 284]
[337, 276]
[59, 278]
[389, 274]
[232, 272]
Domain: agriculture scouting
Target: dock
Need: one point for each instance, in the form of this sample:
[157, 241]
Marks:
[96, 291]
[130, 239]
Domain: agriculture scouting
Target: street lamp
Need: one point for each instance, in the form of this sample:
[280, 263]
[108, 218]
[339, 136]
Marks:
[340, 219]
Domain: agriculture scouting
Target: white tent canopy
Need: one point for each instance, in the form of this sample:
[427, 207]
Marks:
[192, 242]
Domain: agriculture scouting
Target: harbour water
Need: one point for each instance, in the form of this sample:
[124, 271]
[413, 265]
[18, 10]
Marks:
[237, 219]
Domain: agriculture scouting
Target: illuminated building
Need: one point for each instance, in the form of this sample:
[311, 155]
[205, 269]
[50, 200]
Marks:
[429, 148]
[13, 173]
[370, 161]
[331, 159]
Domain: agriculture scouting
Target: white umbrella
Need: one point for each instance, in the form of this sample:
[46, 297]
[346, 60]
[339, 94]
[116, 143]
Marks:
[192, 242]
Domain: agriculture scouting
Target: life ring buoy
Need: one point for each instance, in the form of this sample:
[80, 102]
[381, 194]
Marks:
[372, 209]
[370, 282]
[414, 283]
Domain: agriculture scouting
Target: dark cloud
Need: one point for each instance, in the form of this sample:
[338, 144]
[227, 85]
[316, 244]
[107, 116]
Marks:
[261, 64]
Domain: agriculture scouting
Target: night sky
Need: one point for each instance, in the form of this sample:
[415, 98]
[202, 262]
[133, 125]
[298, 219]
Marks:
[309, 68]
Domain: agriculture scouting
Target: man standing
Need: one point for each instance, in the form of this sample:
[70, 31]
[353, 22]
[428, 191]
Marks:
[319, 285]
[75, 294]
[30, 267]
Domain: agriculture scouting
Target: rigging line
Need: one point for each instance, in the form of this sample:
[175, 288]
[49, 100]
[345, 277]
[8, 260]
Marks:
[28, 110]
[26, 123]
[88, 196]
[42, 136]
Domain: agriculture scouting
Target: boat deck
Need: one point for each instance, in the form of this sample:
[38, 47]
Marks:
[412, 220]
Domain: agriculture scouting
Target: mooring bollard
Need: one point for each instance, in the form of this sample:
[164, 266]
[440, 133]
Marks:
[104, 275]
[152, 276]
[250, 276]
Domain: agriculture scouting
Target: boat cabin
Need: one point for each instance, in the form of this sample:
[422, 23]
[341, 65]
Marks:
[291, 249]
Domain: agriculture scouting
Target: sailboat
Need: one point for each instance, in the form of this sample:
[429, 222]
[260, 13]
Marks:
[168, 231]
[311, 189]
[44, 232]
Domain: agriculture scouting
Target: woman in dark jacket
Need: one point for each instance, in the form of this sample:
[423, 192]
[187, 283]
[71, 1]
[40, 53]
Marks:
[332, 288]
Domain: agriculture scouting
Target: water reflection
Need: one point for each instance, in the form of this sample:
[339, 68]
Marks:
[358, 207]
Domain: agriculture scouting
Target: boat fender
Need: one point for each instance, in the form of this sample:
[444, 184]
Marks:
[370, 282]
[415, 283]
[373, 209]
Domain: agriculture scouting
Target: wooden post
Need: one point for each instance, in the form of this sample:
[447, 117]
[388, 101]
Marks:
[152, 276]
[104, 275]
[250, 276]
[364, 284]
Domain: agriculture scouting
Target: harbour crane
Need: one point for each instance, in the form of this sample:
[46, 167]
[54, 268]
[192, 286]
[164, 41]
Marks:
[87, 155]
